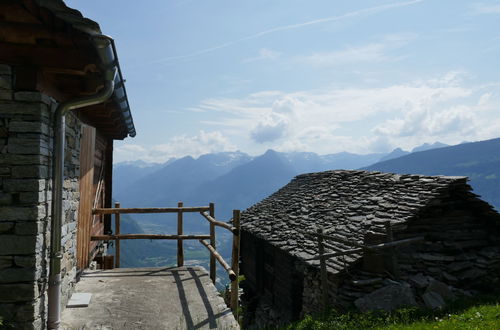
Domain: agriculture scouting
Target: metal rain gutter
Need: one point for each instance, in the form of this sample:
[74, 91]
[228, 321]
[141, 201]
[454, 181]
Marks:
[104, 47]
[120, 95]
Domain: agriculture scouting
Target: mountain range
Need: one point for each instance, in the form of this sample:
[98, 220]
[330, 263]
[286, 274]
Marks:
[480, 161]
[235, 180]
[232, 180]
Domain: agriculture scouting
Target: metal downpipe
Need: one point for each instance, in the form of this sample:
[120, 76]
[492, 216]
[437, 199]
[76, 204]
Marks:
[54, 290]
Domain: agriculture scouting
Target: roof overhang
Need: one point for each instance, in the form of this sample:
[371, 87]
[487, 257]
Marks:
[52, 49]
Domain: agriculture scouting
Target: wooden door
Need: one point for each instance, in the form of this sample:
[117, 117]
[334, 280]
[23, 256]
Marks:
[85, 218]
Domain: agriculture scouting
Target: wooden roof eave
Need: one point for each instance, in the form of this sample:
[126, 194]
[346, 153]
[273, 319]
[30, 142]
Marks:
[53, 54]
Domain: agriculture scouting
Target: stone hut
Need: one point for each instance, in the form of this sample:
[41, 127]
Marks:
[459, 253]
[54, 65]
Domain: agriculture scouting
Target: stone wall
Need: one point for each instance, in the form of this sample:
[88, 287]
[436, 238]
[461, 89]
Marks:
[25, 202]
[460, 256]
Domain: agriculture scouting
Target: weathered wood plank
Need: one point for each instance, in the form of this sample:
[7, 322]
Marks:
[146, 236]
[151, 210]
[216, 222]
[235, 263]
[218, 257]
[117, 241]
[180, 242]
[213, 269]
[86, 196]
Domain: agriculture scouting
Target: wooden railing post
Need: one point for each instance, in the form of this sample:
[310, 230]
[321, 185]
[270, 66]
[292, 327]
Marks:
[212, 242]
[117, 241]
[180, 244]
[322, 262]
[235, 263]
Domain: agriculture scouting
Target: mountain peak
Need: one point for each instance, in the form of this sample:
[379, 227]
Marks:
[429, 146]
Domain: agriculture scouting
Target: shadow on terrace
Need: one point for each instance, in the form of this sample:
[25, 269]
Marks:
[160, 298]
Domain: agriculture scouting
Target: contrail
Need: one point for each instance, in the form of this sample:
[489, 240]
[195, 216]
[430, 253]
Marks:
[366, 11]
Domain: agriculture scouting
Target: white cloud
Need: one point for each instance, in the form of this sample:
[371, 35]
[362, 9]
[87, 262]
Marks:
[371, 52]
[271, 128]
[428, 122]
[442, 108]
[264, 54]
[289, 27]
[366, 53]
[128, 152]
[481, 8]
[177, 146]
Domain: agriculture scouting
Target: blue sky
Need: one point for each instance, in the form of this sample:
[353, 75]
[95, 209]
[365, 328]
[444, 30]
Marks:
[296, 75]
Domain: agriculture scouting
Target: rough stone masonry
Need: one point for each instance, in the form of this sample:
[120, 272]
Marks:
[26, 135]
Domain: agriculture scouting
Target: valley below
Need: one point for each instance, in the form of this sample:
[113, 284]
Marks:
[234, 180]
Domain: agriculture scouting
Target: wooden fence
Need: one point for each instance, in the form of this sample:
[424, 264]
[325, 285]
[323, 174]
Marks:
[323, 238]
[208, 213]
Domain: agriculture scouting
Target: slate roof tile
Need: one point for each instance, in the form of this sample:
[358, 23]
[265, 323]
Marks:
[347, 203]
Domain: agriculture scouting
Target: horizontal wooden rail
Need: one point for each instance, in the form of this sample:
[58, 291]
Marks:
[230, 272]
[146, 236]
[369, 248]
[150, 210]
[218, 223]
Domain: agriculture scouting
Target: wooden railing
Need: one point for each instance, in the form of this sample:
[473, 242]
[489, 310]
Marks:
[208, 213]
[356, 248]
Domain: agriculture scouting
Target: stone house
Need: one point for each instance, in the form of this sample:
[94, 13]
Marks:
[62, 104]
[459, 254]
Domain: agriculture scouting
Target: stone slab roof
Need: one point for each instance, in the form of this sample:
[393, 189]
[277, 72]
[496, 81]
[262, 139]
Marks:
[349, 204]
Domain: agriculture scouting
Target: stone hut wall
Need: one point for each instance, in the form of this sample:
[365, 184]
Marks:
[26, 134]
[461, 250]
[272, 282]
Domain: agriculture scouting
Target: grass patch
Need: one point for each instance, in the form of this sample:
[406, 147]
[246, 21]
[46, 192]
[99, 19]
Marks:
[478, 313]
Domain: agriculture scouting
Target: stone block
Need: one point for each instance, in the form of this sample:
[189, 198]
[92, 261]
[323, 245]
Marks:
[420, 281]
[5, 81]
[6, 226]
[8, 311]
[5, 198]
[441, 288]
[19, 185]
[18, 213]
[9, 159]
[18, 292]
[34, 197]
[433, 300]
[4, 170]
[32, 111]
[30, 171]
[71, 226]
[38, 140]
[32, 97]
[29, 228]
[35, 324]
[28, 311]
[27, 149]
[6, 262]
[28, 127]
[387, 298]
[19, 245]
[14, 275]
[32, 261]
[5, 69]
[5, 94]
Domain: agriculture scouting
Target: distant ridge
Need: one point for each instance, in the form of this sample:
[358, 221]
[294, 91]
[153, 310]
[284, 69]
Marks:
[480, 161]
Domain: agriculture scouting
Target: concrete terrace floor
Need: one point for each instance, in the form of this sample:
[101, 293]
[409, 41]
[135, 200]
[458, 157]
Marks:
[149, 298]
